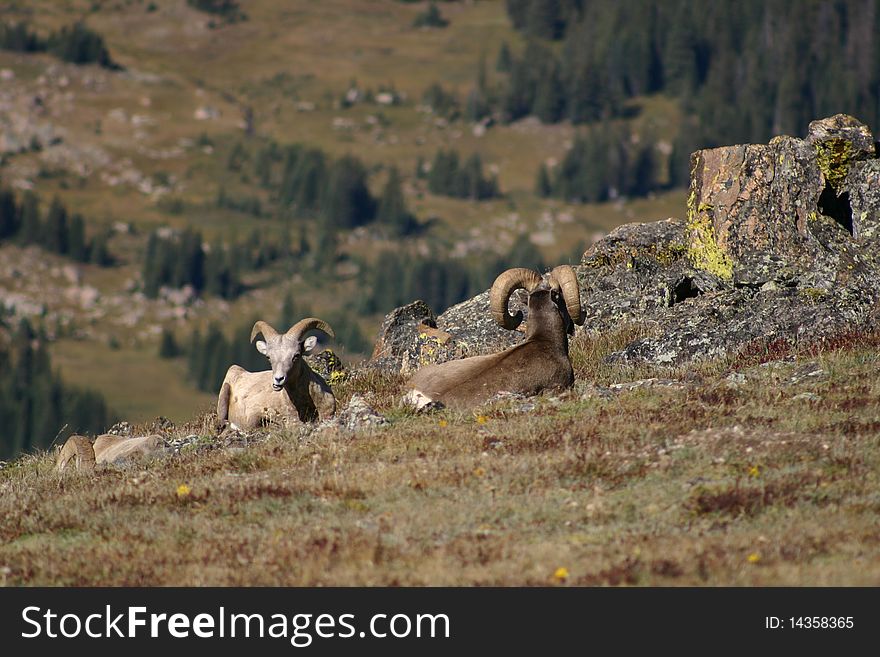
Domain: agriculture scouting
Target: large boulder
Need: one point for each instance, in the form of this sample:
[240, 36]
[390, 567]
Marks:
[412, 336]
[780, 241]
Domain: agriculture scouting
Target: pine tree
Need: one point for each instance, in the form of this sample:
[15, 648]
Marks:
[189, 266]
[679, 57]
[195, 355]
[519, 94]
[346, 202]
[168, 345]
[289, 312]
[99, 251]
[9, 214]
[237, 157]
[392, 210]
[476, 106]
[505, 59]
[444, 173]
[326, 244]
[544, 19]
[543, 185]
[549, 103]
[18, 38]
[431, 17]
[77, 239]
[80, 45]
[215, 359]
[518, 11]
[303, 178]
[31, 225]
[153, 274]
[263, 167]
[234, 267]
[55, 232]
[469, 183]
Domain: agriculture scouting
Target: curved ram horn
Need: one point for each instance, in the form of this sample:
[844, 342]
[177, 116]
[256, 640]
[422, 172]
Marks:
[505, 285]
[264, 328]
[307, 324]
[565, 278]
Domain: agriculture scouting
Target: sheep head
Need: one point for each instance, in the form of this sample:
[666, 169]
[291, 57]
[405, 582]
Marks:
[285, 350]
[560, 293]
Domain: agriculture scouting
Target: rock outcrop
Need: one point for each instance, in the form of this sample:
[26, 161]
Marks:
[780, 241]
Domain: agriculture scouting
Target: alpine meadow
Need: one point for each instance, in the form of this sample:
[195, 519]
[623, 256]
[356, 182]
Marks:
[454, 293]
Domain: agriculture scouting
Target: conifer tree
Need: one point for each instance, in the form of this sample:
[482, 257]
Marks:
[544, 19]
[505, 59]
[543, 185]
[346, 202]
[55, 232]
[550, 96]
[31, 224]
[289, 312]
[77, 239]
[9, 214]
[99, 251]
[392, 210]
[168, 345]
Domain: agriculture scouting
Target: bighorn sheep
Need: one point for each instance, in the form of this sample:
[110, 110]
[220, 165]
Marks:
[539, 362]
[80, 454]
[290, 391]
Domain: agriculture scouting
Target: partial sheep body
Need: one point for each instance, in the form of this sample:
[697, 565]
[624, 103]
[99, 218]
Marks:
[291, 392]
[80, 454]
[539, 363]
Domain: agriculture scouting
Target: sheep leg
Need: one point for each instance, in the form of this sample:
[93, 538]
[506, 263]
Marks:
[223, 403]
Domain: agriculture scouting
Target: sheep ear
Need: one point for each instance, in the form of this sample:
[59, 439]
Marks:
[309, 343]
[261, 347]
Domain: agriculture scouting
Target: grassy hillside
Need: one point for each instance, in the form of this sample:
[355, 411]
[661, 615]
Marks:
[755, 471]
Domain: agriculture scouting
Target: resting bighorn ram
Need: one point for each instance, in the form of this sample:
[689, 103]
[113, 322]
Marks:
[290, 392]
[539, 362]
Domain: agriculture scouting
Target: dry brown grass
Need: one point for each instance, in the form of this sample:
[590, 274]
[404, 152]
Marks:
[709, 484]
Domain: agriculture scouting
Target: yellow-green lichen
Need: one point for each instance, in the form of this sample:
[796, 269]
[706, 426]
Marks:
[703, 250]
[834, 157]
[814, 294]
[337, 376]
[429, 348]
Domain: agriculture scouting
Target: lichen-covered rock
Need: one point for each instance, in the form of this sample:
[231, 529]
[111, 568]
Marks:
[721, 323]
[863, 184]
[751, 203]
[839, 142]
[328, 365]
[781, 240]
[787, 255]
[412, 336]
[398, 334]
[638, 270]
